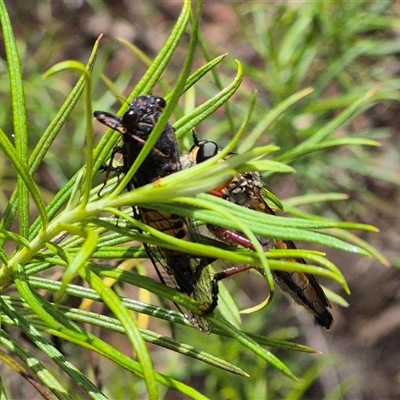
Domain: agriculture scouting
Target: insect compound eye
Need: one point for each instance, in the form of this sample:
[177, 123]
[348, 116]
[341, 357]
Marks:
[206, 151]
[161, 102]
[130, 118]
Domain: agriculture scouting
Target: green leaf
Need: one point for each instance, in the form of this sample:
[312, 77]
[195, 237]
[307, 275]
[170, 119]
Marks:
[20, 127]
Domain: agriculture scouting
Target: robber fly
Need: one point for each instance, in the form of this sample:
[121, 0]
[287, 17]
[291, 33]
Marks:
[187, 272]
[245, 190]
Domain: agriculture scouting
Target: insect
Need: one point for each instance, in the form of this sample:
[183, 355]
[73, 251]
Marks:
[245, 190]
[187, 272]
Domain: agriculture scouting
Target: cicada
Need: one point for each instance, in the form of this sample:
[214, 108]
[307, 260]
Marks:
[188, 273]
[245, 189]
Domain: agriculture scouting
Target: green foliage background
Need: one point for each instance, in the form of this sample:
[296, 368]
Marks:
[48, 143]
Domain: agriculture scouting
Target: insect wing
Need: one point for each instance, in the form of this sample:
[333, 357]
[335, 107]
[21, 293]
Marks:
[160, 264]
[303, 288]
[188, 273]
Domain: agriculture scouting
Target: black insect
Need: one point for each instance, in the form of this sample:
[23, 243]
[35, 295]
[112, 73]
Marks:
[187, 272]
[245, 190]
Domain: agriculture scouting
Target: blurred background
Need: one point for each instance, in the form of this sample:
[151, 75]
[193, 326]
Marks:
[341, 49]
